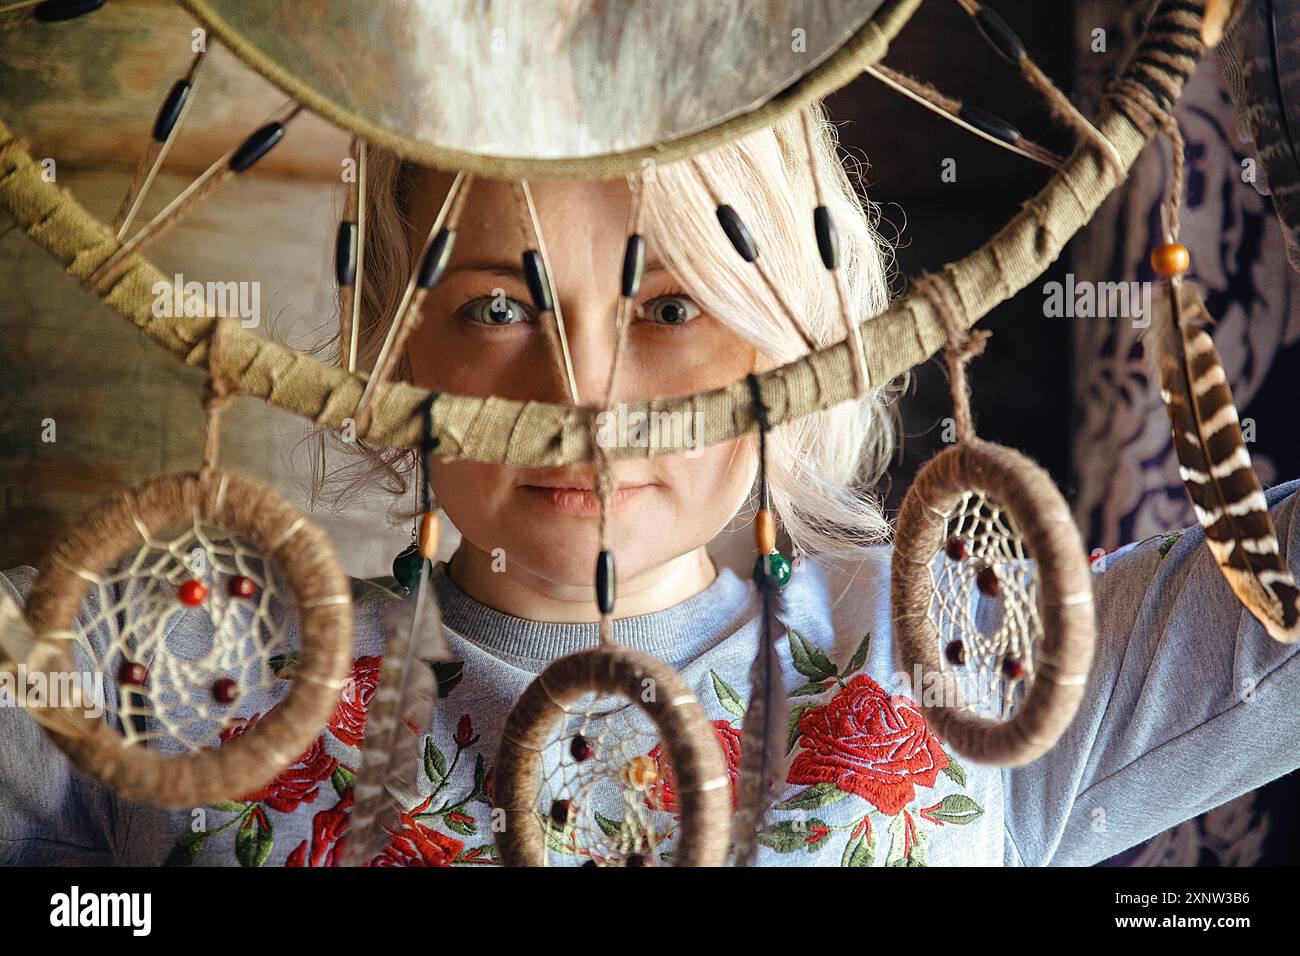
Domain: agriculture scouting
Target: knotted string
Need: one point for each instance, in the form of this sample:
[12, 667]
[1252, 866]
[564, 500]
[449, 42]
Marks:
[962, 346]
[216, 396]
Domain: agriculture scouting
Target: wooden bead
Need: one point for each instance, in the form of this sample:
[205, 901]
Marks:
[605, 584]
[1013, 668]
[53, 11]
[539, 284]
[255, 147]
[560, 813]
[581, 749]
[429, 535]
[988, 583]
[192, 592]
[241, 587]
[737, 232]
[765, 531]
[637, 859]
[225, 690]
[955, 549]
[345, 254]
[169, 113]
[633, 266]
[133, 673]
[1171, 259]
[955, 652]
[435, 260]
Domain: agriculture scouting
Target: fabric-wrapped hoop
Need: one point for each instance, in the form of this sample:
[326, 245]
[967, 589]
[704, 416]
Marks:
[701, 783]
[252, 511]
[1063, 653]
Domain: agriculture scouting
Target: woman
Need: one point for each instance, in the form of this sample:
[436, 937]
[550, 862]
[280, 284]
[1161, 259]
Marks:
[1181, 671]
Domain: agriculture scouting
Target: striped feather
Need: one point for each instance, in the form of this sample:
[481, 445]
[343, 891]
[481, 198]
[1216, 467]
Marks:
[387, 784]
[762, 740]
[1215, 465]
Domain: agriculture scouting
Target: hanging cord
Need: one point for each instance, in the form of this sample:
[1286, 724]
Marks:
[1174, 201]
[537, 273]
[962, 346]
[216, 396]
[603, 477]
[764, 424]
[429, 527]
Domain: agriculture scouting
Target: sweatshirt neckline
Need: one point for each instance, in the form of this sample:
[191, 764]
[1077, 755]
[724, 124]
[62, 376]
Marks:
[676, 634]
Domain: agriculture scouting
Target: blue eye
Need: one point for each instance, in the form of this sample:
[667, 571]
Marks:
[496, 310]
[671, 310]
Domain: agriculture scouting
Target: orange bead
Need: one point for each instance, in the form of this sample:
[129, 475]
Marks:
[429, 535]
[1171, 259]
[641, 773]
[765, 531]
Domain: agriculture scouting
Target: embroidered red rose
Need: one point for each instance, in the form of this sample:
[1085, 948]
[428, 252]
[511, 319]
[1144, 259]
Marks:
[299, 783]
[662, 794]
[465, 736]
[868, 743]
[328, 836]
[349, 721]
[418, 845]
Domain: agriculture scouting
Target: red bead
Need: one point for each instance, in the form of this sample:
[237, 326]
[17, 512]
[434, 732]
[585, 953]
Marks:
[560, 812]
[580, 748]
[955, 548]
[241, 587]
[988, 583]
[1013, 668]
[133, 673]
[192, 593]
[956, 653]
[225, 691]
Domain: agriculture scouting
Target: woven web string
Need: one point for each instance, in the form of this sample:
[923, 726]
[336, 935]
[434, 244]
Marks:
[138, 618]
[990, 630]
[619, 799]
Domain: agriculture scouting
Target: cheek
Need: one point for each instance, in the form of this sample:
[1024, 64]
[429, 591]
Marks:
[708, 490]
[472, 494]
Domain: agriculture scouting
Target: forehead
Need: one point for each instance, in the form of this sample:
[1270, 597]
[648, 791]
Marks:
[495, 209]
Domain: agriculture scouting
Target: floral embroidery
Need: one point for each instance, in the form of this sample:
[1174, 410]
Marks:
[299, 783]
[349, 721]
[662, 796]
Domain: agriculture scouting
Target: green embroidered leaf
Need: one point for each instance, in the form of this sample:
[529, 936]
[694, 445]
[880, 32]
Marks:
[229, 806]
[790, 835]
[818, 795]
[727, 697]
[435, 764]
[558, 839]
[1170, 538]
[462, 824]
[253, 842]
[809, 689]
[897, 856]
[793, 725]
[859, 657]
[448, 675]
[858, 852]
[342, 779]
[808, 658]
[607, 826]
[286, 665]
[188, 849]
[954, 770]
[957, 808]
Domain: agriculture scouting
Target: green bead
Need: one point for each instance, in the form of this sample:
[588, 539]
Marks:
[777, 566]
[406, 567]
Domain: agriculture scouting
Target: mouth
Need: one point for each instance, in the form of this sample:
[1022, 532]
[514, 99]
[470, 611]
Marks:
[578, 501]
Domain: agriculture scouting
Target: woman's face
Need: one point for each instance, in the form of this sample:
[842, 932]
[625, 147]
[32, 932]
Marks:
[481, 336]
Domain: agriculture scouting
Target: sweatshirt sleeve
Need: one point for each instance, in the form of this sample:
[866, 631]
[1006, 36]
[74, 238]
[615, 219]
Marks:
[1190, 703]
[50, 814]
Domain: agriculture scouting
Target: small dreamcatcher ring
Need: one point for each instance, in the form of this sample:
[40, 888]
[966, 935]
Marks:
[700, 781]
[313, 579]
[1041, 653]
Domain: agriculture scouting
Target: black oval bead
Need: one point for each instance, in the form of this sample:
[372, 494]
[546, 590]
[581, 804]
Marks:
[256, 146]
[539, 284]
[345, 254]
[52, 11]
[737, 232]
[633, 265]
[828, 241]
[1000, 36]
[986, 122]
[170, 112]
[435, 259]
[605, 582]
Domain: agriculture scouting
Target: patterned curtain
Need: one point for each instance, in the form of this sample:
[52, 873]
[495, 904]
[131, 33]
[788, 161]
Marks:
[1127, 476]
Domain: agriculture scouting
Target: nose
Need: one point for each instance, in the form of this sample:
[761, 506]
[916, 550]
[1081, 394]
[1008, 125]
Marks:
[589, 323]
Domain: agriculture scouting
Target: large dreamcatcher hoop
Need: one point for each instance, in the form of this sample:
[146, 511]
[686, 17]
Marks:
[991, 593]
[225, 551]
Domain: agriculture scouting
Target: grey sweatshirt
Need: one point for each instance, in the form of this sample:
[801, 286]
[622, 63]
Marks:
[1189, 704]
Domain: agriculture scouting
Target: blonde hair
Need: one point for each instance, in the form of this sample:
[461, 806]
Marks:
[820, 466]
